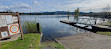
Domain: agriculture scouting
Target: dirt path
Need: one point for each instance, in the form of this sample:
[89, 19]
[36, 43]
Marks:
[86, 41]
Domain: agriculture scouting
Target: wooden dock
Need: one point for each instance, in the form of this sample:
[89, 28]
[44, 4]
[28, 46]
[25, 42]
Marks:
[95, 28]
[68, 22]
[101, 28]
[75, 24]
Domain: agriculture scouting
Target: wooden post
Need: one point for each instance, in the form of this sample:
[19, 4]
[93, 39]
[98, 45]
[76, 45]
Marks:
[20, 26]
[38, 27]
[95, 21]
[0, 44]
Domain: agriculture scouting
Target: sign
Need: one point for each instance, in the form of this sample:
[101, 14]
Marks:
[4, 34]
[13, 29]
[9, 19]
[2, 21]
[15, 19]
[10, 25]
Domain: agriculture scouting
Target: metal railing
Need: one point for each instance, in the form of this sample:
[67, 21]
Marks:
[90, 21]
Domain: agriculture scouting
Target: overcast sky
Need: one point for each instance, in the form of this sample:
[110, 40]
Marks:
[53, 5]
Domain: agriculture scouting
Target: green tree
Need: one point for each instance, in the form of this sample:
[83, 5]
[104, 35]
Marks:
[77, 12]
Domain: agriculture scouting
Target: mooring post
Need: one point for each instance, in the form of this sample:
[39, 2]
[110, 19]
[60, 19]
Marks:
[38, 27]
[95, 21]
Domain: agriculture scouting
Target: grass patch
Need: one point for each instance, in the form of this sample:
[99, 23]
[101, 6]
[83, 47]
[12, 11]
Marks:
[107, 24]
[31, 41]
[104, 33]
[51, 44]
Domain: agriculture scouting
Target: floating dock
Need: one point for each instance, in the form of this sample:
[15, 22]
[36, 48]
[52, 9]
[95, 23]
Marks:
[93, 28]
[68, 22]
[101, 28]
[76, 25]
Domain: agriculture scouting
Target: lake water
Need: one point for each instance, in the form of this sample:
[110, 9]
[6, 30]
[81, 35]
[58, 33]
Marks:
[51, 26]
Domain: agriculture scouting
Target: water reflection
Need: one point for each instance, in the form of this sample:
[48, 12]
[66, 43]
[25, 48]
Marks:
[68, 17]
[77, 30]
[76, 18]
[51, 26]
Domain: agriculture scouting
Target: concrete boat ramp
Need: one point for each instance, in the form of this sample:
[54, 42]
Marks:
[86, 41]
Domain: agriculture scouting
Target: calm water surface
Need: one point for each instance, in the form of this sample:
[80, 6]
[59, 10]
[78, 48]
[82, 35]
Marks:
[51, 26]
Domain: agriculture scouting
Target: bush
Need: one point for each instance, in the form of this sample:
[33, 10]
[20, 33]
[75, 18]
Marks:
[30, 27]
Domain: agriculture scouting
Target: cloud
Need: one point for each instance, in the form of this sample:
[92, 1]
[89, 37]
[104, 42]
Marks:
[15, 6]
[36, 3]
[22, 5]
[50, 5]
[86, 5]
[4, 7]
